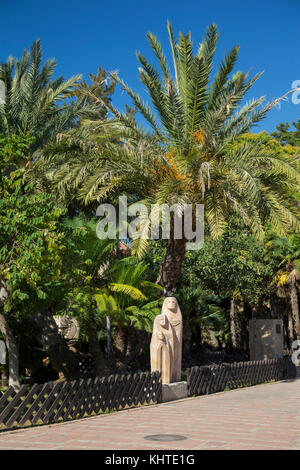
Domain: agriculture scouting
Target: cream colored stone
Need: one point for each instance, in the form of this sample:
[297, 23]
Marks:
[166, 342]
[174, 391]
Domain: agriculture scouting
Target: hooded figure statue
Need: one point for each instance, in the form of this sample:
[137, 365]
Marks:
[166, 342]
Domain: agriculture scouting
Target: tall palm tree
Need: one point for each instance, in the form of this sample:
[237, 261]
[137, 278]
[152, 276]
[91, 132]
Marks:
[198, 122]
[34, 102]
[190, 157]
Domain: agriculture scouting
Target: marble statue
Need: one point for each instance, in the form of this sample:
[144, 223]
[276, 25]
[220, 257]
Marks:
[166, 342]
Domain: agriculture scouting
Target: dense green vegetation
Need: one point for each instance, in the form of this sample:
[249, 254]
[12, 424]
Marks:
[65, 148]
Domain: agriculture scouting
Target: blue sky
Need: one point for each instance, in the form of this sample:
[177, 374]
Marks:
[81, 35]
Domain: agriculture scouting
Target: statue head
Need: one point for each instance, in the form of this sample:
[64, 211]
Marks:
[170, 305]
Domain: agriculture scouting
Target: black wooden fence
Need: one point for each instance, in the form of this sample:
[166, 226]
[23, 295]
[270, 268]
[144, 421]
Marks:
[62, 401]
[216, 378]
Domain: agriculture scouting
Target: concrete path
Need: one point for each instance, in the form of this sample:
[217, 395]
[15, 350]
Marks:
[262, 417]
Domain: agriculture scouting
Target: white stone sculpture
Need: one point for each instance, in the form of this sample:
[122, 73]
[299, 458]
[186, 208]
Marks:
[166, 342]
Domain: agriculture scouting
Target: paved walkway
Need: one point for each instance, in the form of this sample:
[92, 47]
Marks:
[262, 417]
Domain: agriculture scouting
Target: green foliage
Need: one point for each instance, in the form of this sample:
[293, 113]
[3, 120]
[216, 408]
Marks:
[14, 151]
[200, 305]
[286, 251]
[80, 303]
[30, 243]
[100, 284]
[86, 268]
[88, 255]
[35, 100]
[197, 152]
[124, 298]
[97, 93]
[234, 265]
[286, 136]
[75, 166]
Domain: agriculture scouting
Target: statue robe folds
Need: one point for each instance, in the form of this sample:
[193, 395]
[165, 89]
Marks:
[166, 342]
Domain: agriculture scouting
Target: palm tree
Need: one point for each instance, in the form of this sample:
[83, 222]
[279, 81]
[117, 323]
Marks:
[34, 102]
[75, 164]
[198, 122]
[190, 156]
[288, 276]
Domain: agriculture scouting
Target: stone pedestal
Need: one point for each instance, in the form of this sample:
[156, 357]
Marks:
[174, 391]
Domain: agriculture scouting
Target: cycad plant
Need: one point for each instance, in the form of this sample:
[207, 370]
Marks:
[125, 300]
[34, 101]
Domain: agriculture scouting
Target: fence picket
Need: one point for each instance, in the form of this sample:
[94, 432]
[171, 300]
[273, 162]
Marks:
[214, 378]
[51, 402]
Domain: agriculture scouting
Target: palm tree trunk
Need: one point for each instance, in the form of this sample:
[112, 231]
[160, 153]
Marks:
[13, 353]
[295, 306]
[120, 340]
[132, 341]
[95, 349]
[108, 335]
[235, 328]
[170, 269]
[290, 329]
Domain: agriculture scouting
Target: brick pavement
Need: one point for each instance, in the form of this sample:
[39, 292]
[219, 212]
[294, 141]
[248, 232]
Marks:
[262, 417]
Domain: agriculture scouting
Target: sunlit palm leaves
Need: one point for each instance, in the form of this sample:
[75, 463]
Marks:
[35, 101]
[200, 120]
[125, 297]
[194, 154]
